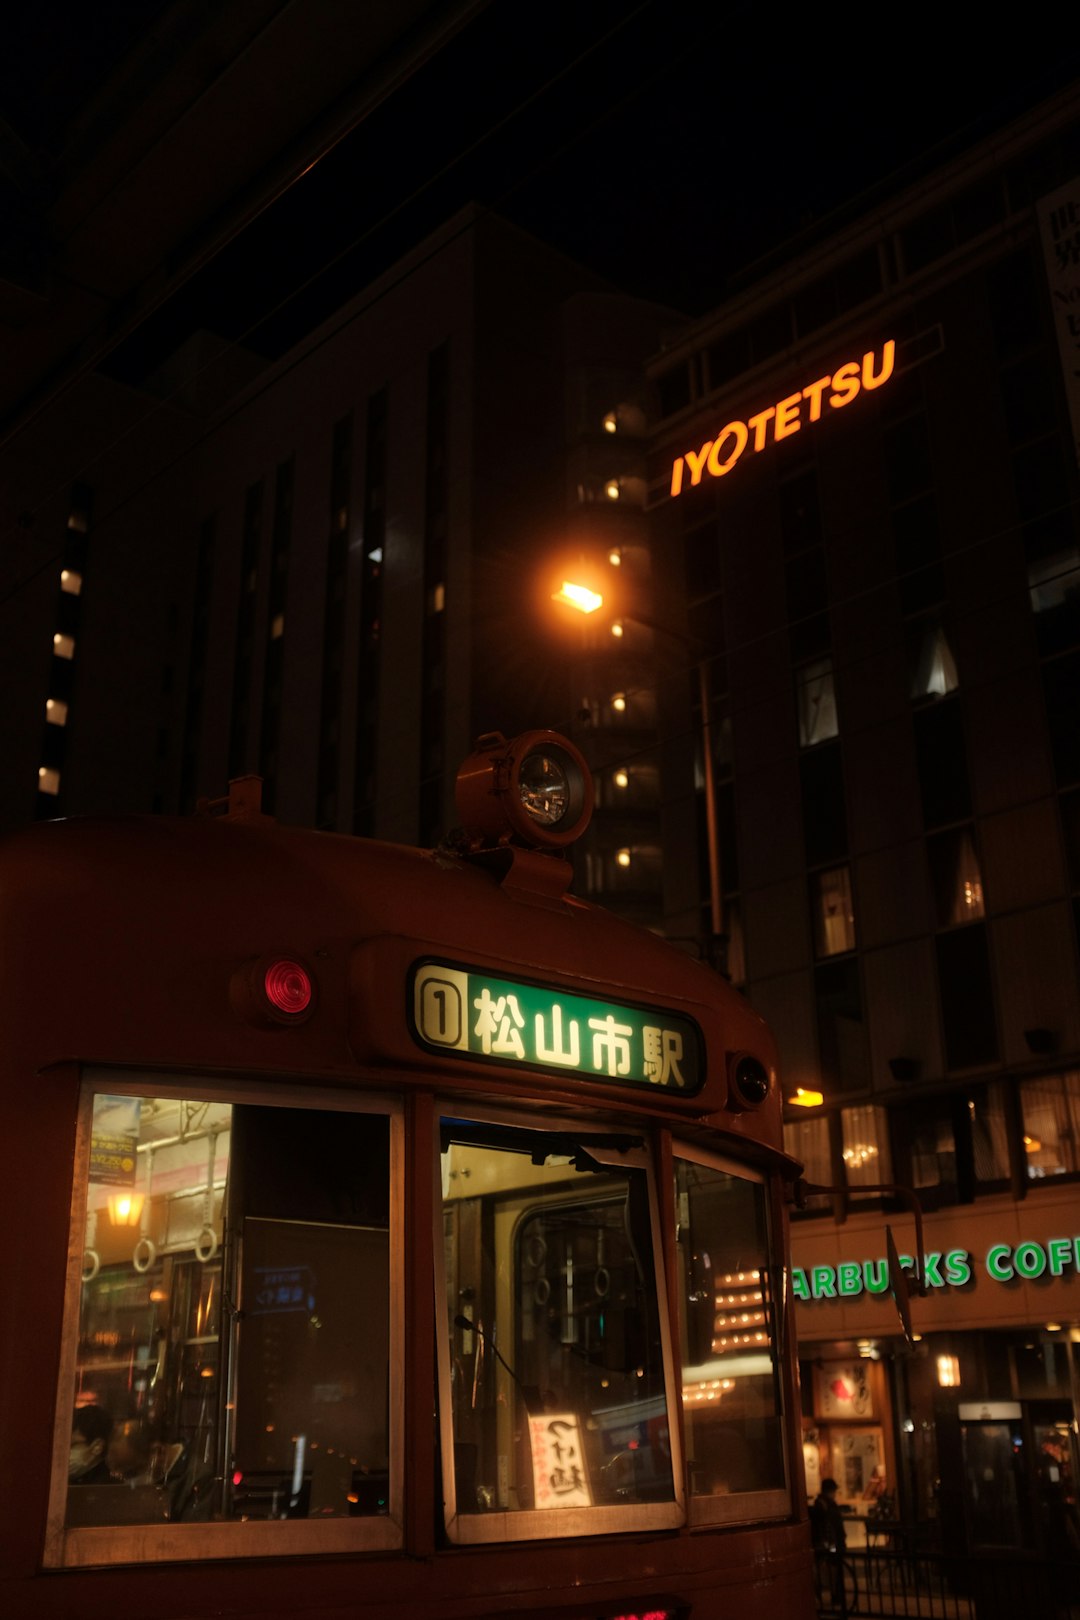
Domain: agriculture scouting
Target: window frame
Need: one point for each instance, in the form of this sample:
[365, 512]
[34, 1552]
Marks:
[503, 1527]
[84, 1546]
[743, 1507]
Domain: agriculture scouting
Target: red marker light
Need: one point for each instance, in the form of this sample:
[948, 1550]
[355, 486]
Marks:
[238, 1478]
[287, 986]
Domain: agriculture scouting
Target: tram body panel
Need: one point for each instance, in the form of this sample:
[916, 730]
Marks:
[126, 948]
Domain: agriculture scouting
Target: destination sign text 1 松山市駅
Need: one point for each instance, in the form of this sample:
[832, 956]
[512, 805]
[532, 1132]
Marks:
[474, 1013]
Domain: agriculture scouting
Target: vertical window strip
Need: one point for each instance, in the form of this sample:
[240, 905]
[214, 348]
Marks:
[244, 646]
[196, 679]
[67, 617]
[337, 557]
[273, 669]
[375, 469]
[433, 655]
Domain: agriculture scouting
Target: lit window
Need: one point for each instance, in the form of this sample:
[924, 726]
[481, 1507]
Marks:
[63, 646]
[70, 581]
[866, 1146]
[308, 1430]
[834, 912]
[933, 670]
[277, 627]
[1051, 1110]
[957, 881]
[807, 1140]
[438, 598]
[56, 712]
[48, 779]
[817, 703]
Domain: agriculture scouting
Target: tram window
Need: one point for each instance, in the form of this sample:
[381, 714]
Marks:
[733, 1426]
[233, 1324]
[555, 1390]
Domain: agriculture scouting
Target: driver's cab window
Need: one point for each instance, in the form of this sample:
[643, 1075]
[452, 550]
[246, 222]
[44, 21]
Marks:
[557, 1396]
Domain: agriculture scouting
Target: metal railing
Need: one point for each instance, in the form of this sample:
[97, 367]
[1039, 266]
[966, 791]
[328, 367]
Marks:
[898, 1584]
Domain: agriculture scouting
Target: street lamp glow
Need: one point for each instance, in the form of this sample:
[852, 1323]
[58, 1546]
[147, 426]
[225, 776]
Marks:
[578, 596]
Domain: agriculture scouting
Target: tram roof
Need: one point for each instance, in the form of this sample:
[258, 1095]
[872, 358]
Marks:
[124, 932]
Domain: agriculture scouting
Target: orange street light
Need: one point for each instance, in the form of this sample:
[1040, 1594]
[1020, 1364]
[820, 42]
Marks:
[578, 596]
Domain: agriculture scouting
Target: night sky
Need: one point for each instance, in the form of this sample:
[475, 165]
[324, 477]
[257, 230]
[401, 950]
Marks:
[668, 145]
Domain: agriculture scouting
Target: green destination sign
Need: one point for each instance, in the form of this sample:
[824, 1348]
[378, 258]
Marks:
[458, 1009]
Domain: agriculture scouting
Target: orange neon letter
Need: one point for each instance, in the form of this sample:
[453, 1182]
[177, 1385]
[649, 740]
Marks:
[813, 392]
[738, 431]
[696, 461]
[846, 384]
[759, 423]
[787, 416]
[888, 360]
[676, 475]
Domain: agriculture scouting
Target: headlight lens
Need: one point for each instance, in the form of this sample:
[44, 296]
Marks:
[544, 788]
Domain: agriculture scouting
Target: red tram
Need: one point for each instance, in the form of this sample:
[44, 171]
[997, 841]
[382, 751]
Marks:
[393, 1235]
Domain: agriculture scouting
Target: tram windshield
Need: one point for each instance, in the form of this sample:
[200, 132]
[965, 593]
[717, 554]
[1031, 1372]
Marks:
[556, 1354]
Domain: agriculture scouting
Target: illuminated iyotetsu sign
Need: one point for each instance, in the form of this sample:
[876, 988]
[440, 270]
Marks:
[832, 392]
[1002, 1263]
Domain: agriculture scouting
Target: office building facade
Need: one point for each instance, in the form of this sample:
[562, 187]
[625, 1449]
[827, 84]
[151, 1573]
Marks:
[864, 475]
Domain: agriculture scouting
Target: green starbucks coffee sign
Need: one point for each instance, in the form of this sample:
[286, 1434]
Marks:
[1002, 1263]
[465, 1011]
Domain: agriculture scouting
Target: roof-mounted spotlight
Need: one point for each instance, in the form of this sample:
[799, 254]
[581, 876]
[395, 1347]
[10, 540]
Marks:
[534, 791]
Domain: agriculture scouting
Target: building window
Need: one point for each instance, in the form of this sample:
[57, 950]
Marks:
[941, 759]
[63, 646]
[1050, 1106]
[833, 911]
[956, 878]
[48, 779]
[1061, 691]
[841, 1030]
[933, 668]
[967, 999]
[1054, 585]
[807, 1140]
[821, 778]
[865, 1149]
[816, 695]
[917, 544]
[56, 712]
[807, 604]
[307, 1433]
